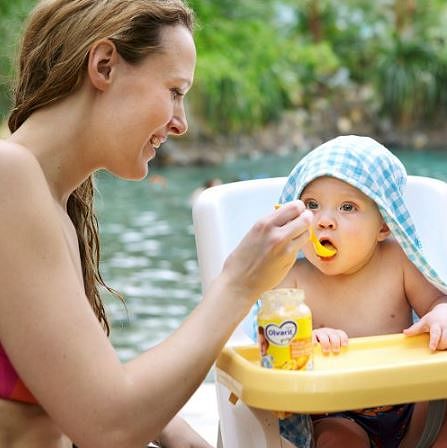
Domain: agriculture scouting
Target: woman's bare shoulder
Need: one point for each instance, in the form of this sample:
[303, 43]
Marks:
[20, 171]
[26, 201]
[13, 155]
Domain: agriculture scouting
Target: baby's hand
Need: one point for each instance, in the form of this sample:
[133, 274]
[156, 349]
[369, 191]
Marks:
[330, 339]
[435, 323]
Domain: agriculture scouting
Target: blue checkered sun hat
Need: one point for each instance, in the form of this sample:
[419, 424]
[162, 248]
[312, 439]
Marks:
[369, 166]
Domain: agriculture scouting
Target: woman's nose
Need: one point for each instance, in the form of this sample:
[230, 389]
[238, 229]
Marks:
[178, 124]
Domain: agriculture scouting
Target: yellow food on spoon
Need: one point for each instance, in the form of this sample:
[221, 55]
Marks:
[320, 250]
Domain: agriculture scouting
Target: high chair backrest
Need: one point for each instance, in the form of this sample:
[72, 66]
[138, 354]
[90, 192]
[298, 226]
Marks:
[222, 215]
[426, 199]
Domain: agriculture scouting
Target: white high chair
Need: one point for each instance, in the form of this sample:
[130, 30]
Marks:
[402, 370]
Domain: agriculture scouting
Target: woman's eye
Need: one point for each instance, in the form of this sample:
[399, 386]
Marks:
[311, 204]
[347, 207]
[176, 93]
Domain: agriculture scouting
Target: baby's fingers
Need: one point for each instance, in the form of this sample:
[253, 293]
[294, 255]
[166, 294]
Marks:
[331, 340]
[443, 342]
[338, 340]
[417, 328]
[438, 337]
[343, 338]
[324, 341]
[435, 336]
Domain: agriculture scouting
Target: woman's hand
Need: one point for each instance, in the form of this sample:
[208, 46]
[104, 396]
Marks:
[266, 254]
[330, 339]
[178, 434]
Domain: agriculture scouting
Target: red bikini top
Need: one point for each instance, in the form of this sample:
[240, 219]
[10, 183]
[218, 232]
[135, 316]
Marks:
[11, 386]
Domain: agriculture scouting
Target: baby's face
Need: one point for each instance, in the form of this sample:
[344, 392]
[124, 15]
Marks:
[345, 218]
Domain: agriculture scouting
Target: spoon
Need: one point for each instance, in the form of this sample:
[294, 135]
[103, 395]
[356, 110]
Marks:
[319, 249]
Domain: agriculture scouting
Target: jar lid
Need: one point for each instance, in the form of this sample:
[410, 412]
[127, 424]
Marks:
[283, 293]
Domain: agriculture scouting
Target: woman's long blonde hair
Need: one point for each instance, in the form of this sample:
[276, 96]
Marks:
[52, 65]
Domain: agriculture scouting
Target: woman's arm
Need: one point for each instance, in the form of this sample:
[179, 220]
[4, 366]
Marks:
[178, 434]
[59, 349]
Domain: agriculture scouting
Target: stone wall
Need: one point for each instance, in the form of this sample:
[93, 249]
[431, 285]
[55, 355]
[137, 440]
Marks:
[354, 111]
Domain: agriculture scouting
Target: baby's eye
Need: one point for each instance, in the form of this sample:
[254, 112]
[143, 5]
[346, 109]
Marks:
[348, 207]
[311, 204]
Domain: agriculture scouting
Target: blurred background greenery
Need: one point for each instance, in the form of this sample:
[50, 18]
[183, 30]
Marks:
[260, 59]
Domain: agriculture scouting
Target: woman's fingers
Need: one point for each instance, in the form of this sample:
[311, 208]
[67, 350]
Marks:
[287, 212]
[264, 257]
[294, 219]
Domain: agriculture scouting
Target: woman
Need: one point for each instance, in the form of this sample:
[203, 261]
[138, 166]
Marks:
[101, 86]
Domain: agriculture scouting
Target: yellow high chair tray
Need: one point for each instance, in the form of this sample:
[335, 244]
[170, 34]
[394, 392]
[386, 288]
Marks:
[371, 371]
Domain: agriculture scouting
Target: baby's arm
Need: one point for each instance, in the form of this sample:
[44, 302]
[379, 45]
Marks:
[430, 304]
[330, 339]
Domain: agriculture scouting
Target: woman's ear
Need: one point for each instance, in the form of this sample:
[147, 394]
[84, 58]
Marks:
[101, 63]
[384, 232]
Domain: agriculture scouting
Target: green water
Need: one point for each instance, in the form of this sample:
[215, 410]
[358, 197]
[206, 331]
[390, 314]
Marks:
[148, 251]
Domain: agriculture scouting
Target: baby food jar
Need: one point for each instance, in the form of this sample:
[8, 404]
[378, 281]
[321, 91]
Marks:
[285, 330]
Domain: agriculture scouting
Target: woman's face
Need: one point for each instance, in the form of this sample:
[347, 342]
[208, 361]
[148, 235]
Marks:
[145, 104]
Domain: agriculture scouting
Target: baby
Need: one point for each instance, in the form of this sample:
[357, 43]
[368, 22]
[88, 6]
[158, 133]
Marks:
[353, 185]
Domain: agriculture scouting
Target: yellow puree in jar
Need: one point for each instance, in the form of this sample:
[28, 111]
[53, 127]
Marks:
[285, 330]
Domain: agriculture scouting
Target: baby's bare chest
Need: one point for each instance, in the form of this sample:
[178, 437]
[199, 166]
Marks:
[360, 309]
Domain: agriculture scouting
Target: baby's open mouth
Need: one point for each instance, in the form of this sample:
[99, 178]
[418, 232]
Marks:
[330, 249]
[325, 251]
[327, 244]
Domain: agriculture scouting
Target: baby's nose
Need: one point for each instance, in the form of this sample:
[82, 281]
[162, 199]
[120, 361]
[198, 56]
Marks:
[325, 221]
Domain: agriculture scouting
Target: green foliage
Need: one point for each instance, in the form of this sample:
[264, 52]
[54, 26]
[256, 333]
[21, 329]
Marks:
[411, 77]
[259, 58]
[249, 70]
[12, 15]
[411, 68]
[397, 45]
